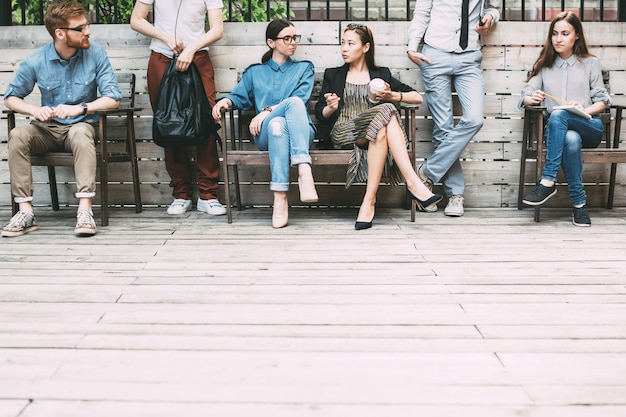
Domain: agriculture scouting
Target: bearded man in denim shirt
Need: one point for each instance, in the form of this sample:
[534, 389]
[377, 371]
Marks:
[69, 72]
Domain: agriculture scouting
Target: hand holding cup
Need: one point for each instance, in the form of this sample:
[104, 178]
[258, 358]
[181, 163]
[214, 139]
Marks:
[376, 86]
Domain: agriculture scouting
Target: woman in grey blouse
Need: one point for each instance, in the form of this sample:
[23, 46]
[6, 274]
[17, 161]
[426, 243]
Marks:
[567, 79]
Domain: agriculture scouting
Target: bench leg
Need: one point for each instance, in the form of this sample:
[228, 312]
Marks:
[54, 193]
[237, 187]
[14, 206]
[229, 207]
[522, 169]
[609, 202]
[132, 150]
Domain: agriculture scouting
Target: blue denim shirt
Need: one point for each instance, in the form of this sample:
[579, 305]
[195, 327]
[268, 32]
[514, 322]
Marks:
[63, 82]
[268, 84]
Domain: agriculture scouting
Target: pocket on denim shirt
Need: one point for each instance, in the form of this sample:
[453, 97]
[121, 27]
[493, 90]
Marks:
[85, 87]
[51, 92]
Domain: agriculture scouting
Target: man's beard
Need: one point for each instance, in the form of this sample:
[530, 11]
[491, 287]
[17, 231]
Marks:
[82, 44]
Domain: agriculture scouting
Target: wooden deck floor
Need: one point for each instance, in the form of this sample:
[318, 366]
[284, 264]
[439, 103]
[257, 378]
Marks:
[489, 315]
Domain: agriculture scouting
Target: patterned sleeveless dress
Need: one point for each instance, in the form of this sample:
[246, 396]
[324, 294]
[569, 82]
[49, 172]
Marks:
[359, 120]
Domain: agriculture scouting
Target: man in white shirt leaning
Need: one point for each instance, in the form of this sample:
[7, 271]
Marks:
[444, 41]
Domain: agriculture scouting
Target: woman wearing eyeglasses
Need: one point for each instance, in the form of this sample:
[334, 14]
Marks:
[278, 89]
[373, 130]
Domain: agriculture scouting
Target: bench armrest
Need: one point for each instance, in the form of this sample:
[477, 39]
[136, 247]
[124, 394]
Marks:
[121, 110]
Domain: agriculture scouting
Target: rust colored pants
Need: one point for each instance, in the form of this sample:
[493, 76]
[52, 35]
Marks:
[177, 160]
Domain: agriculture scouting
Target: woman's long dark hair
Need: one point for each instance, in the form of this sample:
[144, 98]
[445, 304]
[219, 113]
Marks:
[366, 36]
[548, 54]
[272, 31]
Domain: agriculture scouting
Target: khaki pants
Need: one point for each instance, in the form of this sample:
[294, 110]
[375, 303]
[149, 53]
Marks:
[40, 137]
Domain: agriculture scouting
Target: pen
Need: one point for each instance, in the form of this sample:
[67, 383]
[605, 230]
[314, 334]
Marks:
[481, 22]
[555, 98]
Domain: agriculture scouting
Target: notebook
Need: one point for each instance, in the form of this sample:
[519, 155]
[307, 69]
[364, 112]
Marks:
[574, 110]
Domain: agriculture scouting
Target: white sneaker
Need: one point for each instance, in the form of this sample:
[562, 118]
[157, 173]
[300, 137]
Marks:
[179, 206]
[212, 206]
[455, 206]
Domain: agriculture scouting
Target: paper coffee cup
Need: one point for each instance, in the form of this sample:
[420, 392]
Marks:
[376, 85]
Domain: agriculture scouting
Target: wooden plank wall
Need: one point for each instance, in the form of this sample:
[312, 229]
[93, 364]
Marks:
[491, 161]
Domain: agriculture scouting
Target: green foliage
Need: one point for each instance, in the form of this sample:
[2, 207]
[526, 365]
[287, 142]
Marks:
[113, 11]
[30, 12]
[278, 10]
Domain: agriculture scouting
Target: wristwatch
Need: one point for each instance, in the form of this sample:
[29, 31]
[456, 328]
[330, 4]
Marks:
[83, 105]
[267, 108]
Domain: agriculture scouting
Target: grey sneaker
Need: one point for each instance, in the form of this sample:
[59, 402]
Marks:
[455, 206]
[429, 184]
[580, 216]
[427, 181]
[21, 223]
[211, 206]
[85, 224]
[539, 195]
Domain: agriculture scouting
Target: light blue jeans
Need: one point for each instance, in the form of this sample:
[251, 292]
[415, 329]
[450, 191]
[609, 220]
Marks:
[287, 134]
[462, 71]
[566, 134]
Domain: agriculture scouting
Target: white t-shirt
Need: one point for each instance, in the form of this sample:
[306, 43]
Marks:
[190, 17]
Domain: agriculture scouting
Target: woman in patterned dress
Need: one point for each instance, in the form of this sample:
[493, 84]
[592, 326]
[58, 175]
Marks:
[373, 130]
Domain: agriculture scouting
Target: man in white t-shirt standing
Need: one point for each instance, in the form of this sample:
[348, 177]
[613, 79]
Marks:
[179, 29]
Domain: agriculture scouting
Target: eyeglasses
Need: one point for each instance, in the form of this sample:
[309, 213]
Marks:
[80, 28]
[353, 26]
[291, 39]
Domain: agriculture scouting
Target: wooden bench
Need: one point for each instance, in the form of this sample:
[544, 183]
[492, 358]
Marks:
[491, 161]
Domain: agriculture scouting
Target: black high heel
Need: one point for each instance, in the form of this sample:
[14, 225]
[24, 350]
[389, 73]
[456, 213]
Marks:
[436, 198]
[363, 225]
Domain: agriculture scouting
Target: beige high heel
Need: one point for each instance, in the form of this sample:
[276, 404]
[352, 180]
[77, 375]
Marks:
[279, 219]
[307, 190]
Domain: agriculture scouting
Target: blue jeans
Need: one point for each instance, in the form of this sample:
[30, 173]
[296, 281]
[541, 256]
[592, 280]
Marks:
[566, 135]
[287, 134]
[464, 72]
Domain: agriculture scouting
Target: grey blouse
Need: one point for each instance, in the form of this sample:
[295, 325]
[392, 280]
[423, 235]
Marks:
[578, 79]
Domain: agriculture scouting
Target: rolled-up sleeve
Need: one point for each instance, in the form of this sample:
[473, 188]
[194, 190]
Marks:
[23, 82]
[598, 90]
[492, 8]
[419, 23]
[105, 76]
[534, 84]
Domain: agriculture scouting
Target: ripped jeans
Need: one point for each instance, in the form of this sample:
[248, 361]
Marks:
[287, 134]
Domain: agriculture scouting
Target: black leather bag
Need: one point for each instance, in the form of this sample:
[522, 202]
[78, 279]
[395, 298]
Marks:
[182, 115]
